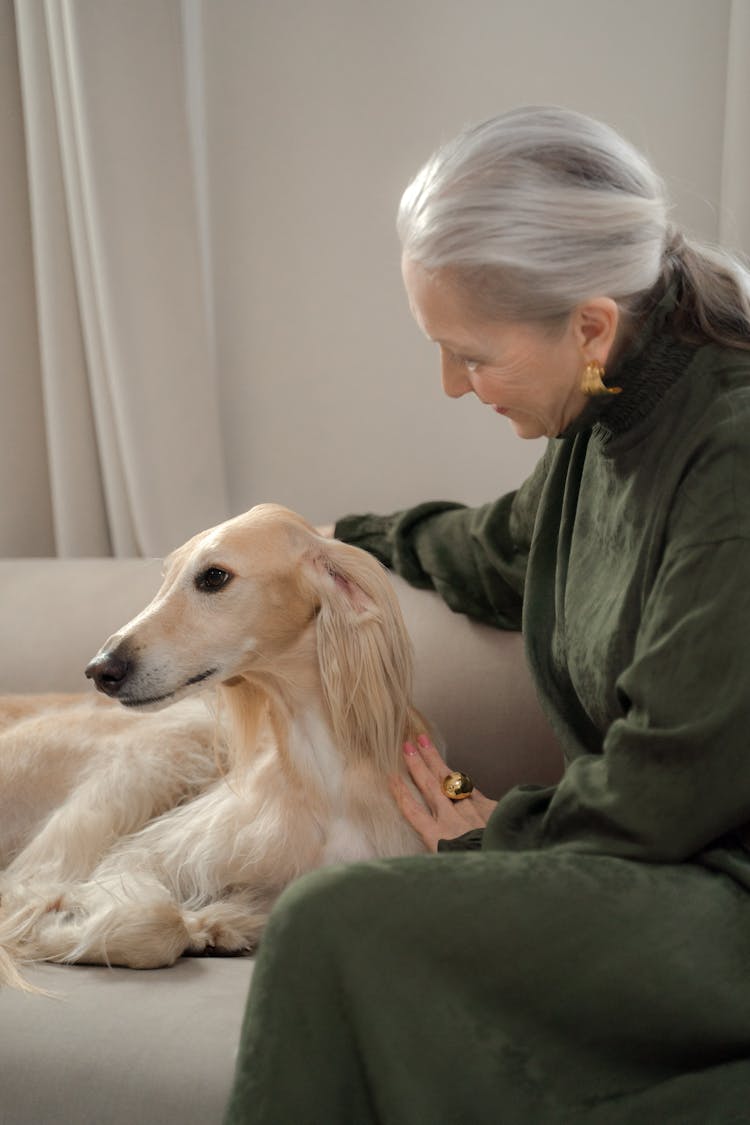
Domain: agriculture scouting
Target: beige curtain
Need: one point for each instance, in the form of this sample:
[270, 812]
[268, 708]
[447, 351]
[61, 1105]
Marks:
[123, 383]
[734, 215]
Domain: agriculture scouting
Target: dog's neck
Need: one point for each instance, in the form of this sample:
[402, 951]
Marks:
[285, 724]
[313, 753]
[288, 697]
[289, 709]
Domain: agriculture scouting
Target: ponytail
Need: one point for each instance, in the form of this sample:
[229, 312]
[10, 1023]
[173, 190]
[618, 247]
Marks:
[714, 292]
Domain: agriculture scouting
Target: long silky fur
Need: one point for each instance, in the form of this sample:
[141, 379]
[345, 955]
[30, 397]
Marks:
[365, 659]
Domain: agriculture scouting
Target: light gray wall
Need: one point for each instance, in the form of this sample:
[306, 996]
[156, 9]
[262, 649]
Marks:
[316, 116]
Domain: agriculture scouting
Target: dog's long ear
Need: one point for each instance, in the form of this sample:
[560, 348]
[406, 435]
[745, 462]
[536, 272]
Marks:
[364, 653]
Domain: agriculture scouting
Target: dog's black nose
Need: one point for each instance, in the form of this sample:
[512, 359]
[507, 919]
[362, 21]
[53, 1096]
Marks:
[109, 672]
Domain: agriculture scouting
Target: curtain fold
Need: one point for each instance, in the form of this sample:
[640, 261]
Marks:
[734, 214]
[130, 392]
[25, 502]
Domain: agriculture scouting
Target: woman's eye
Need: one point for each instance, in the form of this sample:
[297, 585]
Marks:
[470, 365]
[212, 579]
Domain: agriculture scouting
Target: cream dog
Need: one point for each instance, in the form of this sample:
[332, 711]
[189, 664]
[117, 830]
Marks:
[129, 838]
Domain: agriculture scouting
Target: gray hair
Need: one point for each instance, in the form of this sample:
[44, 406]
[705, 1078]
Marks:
[542, 208]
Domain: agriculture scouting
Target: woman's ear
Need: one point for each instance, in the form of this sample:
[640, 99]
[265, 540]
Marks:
[595, 325]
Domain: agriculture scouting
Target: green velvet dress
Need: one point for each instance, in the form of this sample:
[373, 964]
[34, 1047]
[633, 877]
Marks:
[587, 958]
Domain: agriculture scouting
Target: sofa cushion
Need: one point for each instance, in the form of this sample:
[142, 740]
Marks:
[123, 1046]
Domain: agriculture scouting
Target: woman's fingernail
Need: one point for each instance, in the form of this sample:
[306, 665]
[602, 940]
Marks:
[409, 750]
[423, 740]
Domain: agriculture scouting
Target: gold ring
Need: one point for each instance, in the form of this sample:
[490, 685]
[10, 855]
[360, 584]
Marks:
[457, 785]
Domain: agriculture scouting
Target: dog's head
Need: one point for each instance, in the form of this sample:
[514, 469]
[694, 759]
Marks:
[264, 596]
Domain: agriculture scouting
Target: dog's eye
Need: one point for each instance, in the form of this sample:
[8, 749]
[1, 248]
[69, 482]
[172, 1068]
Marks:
[212, 579]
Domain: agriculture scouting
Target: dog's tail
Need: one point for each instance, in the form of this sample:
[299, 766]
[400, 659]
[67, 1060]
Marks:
[12, 960]
[11, 975]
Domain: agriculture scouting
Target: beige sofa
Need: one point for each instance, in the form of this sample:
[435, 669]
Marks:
[158, 1047]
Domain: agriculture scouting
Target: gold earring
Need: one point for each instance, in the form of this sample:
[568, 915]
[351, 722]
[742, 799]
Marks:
[591, 383]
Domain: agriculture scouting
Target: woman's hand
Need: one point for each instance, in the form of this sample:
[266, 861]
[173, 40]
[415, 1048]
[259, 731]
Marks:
[438, 818]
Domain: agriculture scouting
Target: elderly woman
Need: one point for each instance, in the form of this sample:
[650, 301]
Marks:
[581, 953]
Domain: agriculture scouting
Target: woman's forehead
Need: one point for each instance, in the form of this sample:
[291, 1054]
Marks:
[439, 306]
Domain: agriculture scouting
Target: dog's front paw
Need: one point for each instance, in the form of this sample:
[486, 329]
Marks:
[223, 929]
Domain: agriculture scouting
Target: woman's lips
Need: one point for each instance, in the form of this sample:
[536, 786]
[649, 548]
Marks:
[500, 409]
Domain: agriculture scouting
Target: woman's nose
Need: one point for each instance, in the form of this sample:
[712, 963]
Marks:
[455, 377]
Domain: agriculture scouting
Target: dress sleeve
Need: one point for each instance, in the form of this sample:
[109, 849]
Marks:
[674, 773]
[475, 558]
